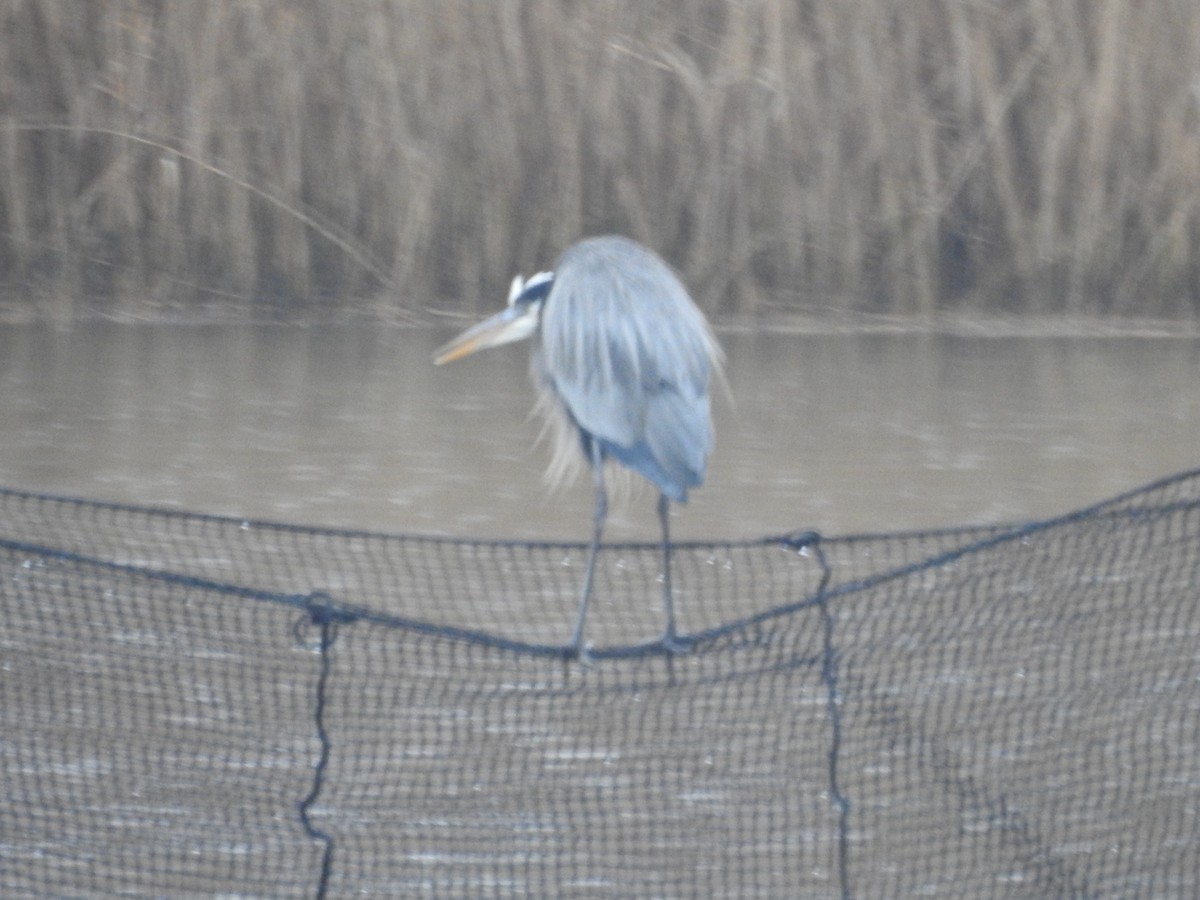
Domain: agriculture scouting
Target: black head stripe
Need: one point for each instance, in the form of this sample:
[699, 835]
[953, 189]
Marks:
[536, 288]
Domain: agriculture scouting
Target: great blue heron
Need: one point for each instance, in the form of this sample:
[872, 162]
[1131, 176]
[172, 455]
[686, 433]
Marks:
[622, 364]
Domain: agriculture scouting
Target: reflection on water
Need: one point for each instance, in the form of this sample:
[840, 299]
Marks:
[352, 426]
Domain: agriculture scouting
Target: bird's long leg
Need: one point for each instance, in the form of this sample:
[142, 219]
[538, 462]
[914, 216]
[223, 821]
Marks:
[597, 531]
[664, 516]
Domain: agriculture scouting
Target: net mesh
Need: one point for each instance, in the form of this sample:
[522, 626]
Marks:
[194, 705]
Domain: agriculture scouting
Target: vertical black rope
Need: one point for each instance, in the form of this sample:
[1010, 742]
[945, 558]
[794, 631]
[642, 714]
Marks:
[810, 542]
[322, 614]
[829, 674]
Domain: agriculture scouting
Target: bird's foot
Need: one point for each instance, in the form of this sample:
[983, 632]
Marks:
[577, 651]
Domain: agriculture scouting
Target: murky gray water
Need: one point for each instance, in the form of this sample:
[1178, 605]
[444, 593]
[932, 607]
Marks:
[352, 426]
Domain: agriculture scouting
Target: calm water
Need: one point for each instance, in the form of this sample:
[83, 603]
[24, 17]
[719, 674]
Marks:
[352, 426]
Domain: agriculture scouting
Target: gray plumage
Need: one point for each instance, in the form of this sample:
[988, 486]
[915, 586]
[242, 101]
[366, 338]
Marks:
[623, 361]
[628, 357]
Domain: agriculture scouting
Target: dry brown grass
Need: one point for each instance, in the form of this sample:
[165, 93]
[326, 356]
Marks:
[823, 155]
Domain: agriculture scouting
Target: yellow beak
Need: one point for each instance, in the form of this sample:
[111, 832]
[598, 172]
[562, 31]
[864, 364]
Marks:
[515, 323]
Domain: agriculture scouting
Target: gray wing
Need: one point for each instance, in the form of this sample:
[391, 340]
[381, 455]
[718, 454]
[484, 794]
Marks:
[629, 356]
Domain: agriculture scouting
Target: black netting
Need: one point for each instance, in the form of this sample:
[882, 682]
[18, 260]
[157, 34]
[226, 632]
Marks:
[199, 705]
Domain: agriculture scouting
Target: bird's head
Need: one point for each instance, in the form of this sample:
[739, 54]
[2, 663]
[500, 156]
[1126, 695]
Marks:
[518, 320]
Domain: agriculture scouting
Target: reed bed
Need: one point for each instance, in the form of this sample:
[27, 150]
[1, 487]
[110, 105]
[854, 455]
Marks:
[785, 155]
